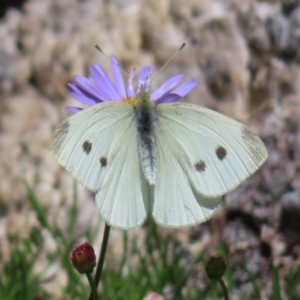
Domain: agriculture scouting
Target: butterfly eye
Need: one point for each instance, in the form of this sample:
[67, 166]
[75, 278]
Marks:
[87, 147]
[221, 152]
[200, 166]
[103, 161]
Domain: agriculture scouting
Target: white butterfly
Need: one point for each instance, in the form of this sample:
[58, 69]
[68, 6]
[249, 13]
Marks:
[145, 155]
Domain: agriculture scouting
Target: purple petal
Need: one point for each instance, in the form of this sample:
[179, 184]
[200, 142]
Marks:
[130, 89]
[167, 86]
[73, 109]
[103, 82]
[116, 71]
[90, 87]
[168, 98]
[82, 96]
[185, 88]
[144, 78]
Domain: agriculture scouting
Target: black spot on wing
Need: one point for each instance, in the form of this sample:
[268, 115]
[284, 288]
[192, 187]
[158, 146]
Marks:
[103, 161]
[87, 147]
[221, 152]
[200, 166]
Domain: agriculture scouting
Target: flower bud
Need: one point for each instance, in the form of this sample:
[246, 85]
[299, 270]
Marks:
[153, 296]
[216, 267]
[84, 258]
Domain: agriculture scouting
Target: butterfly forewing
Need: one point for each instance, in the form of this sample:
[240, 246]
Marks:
[86, 143]
[217, 153]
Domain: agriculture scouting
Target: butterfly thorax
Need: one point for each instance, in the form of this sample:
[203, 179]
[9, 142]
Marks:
[144, 113]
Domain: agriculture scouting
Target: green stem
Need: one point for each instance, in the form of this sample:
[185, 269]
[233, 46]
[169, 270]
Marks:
[92, 285]
[101, 258]
[224, 289]
[74, 214]
[125, 239]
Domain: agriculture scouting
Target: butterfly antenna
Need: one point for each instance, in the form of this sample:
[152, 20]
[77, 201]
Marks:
[100, 50]
[181, 47]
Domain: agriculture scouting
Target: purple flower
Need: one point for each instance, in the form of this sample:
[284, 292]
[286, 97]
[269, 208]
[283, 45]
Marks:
[101, 88]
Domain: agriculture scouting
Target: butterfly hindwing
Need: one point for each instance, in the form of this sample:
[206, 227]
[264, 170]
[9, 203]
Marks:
[124, 199]
[176, 202]
[217, 153]
[99, 147]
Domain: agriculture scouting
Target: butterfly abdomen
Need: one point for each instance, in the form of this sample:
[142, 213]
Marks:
[144, 114]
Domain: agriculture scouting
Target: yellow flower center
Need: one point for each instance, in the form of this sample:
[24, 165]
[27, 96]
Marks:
[130, 100]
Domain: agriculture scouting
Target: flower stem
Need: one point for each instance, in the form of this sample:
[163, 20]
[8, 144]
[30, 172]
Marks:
[92, 285]
[101, 258]
[224, 289]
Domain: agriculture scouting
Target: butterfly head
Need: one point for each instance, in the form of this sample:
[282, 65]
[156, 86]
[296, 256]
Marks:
[143, 101]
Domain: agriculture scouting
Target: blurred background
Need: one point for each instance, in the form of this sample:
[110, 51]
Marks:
[245, 55]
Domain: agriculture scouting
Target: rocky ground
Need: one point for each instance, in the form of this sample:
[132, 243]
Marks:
[245, 55]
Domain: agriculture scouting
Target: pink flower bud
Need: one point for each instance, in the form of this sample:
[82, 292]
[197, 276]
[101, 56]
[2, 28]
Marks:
[153, 296]
[216, 267]
[84, 258]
